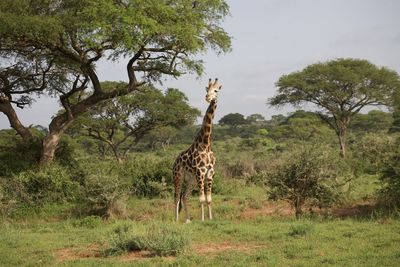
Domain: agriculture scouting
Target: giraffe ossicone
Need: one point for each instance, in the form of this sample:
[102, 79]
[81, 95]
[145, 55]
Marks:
[195, 166]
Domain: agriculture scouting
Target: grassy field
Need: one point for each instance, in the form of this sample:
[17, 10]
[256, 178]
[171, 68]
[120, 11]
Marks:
[247, 231]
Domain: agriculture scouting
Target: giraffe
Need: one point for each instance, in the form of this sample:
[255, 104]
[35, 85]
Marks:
[196, 164]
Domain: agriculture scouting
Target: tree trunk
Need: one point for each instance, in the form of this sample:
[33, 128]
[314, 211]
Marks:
[342, 136]
[50, 143]
[342, 143]
[8, 110]
[49, 146]
[297, 206]
[116, 154]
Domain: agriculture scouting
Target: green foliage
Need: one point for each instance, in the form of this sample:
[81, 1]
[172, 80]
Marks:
[149, 176]
[17, 155]
[122, 122]
[395, 127]
[390, 178]
[49, 184]
[373, 151]
[374, 121]
[233, 120]
[308, 174]
[122, 27]
[303, 126]
[160, 240]
[105, 195]
[340, 88]
[257, 119]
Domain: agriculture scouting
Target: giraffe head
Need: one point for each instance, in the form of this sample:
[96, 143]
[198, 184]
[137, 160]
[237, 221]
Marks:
[212, 90]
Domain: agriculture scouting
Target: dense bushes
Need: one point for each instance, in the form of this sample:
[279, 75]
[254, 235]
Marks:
[50, 184]
[105, 195]
[390, 177]
[373, 151]
[309, 174]
[149, 176]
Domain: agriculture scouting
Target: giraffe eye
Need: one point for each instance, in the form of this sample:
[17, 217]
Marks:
[215, 91]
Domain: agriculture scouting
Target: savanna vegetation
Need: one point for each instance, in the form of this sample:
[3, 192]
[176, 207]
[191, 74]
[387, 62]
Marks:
[94, 188]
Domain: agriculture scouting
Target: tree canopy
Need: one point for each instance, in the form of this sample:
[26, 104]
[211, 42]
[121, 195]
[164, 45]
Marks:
[233, 119]
[155, 37]
[340, 89]
[122, 122]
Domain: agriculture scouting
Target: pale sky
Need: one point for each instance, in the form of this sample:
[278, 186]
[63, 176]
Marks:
[272, 38]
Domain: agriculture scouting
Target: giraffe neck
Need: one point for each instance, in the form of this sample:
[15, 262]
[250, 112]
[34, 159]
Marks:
[204, 135]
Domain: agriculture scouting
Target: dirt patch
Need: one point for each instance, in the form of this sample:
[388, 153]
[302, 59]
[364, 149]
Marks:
[94, 251]
[69, 254]
[216, 248]
[268, 209]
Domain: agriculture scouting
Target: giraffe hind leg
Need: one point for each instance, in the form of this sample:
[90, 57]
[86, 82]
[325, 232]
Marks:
[178, 180]
[190, 184]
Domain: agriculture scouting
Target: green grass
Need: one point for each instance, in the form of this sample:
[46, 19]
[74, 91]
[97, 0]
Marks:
[57, 237]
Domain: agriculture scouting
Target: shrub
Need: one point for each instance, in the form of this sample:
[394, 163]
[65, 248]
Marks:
[105, 195]
[49, 184]
[308, 174]
[149, 176]
[17, 155]
[374, 151]
[160, 240]
[390, 192]
[166, 240]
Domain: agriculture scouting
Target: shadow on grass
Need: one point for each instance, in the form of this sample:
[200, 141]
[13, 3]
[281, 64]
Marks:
[368, 211]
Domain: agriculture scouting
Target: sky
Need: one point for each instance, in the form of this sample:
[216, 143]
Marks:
[271, 38]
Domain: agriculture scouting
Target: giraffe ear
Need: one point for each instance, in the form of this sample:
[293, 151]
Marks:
[219, 88]
[206, 89]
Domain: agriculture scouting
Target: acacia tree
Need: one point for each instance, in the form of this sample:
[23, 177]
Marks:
[255, 119]
[123, 121]
[233, 119]
[396, 114]
[340, 88]
[155, 38]
[20, 77]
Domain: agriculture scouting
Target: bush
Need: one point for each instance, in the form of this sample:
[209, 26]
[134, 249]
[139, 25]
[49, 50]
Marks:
[390, 192]
[49, 184]
[308, 174]
[374, 151]
[159, 240]
[17, 155]
[105, 195]
[149, 176]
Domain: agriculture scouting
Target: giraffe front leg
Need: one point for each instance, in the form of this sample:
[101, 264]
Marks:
[210, 177]
[202, 198]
